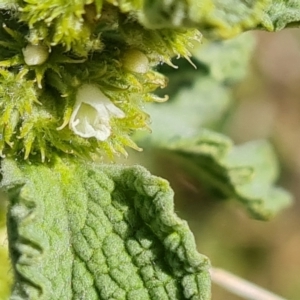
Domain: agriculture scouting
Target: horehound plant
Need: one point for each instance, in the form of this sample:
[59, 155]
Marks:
[76, 78]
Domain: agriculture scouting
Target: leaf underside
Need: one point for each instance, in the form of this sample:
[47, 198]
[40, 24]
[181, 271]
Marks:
[281, 14]
[246, 172]
[85, 231]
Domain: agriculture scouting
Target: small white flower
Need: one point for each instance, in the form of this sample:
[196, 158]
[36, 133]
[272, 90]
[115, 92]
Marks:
[92, 112]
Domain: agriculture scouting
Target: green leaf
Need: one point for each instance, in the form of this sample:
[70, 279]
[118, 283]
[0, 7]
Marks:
[246, 173]
[228, 60]
[87, 231]
[217, 18]
[191, 108]
[199, 97]
[281, 14]
[5, 267]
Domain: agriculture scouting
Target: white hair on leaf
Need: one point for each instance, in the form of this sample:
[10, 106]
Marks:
[92, 112]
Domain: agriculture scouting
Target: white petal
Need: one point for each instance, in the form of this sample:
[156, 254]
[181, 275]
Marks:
[115, 111]
[91, 113]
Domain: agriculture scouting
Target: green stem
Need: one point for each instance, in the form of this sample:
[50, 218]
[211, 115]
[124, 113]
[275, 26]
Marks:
[241, 287]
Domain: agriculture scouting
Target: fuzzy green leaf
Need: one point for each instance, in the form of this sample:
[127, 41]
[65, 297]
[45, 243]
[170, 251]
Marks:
[281, 14]
[217, 18]
[199, 98]
[246, 173]
[86, 231]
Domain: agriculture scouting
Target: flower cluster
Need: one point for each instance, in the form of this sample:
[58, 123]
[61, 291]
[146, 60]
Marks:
[79, 92]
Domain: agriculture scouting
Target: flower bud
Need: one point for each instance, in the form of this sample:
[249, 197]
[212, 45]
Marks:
[135, 61]
[35, 54]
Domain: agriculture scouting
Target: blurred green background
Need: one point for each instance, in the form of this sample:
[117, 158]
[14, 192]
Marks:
[266, 105]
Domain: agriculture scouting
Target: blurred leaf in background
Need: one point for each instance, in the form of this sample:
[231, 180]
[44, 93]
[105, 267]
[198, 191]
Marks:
[259, 105]
[246, 172]
[201, 98]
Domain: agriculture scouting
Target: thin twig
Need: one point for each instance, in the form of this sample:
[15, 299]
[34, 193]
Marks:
[241, 287]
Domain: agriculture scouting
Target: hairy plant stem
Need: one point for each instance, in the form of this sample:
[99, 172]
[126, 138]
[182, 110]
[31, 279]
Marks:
[241, 287]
